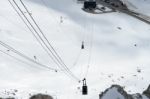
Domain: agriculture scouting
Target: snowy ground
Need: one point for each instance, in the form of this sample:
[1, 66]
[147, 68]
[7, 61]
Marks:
[115, 58]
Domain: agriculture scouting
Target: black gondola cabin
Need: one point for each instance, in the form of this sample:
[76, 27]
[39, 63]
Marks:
[82, 46]
[84, 88]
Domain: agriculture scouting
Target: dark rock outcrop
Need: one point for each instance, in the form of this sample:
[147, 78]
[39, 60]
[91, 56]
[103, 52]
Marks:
[118, 92]
[41, 96]
[119, 89]
[147, 92]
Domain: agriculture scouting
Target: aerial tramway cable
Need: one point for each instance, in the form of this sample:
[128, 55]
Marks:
[29, 27]
[43, 34]
[89, 43]
[90, 50]
[40, 42]
[34, 30]
[24, 56]
[82, 46]
[20, 16]
[55, 55]
[78, 55]
[24, 62]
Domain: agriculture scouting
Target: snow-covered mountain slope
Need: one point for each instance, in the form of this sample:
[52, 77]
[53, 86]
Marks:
[118, 92]
[120, 49]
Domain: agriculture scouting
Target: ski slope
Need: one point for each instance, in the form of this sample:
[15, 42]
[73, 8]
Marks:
[116, 44]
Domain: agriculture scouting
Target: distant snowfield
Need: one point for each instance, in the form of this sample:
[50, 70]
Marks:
[115, 58]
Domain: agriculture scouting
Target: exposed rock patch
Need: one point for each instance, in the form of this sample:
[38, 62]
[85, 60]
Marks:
[118, 92]
[41, 96]
[147, 92]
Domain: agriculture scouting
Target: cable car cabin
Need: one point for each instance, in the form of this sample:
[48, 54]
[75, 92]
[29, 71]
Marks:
[90, 5]
[84, 88]
[82, 46]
